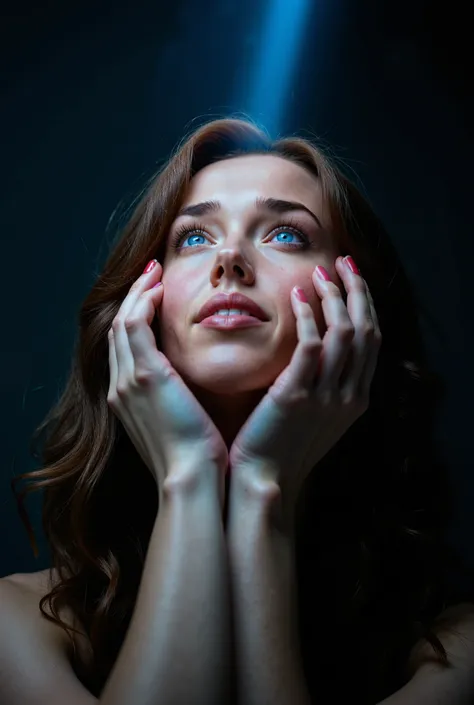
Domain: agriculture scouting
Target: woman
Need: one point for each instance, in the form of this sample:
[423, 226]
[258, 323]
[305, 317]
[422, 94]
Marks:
[264, 502]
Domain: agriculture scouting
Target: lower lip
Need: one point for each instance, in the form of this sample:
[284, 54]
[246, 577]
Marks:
[230, 322]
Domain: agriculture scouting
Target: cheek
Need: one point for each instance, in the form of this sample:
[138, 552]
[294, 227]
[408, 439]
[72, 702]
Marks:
[177, 302]
[168, 314]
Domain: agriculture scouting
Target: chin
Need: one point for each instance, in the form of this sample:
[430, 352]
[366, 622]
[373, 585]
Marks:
[226, 386]
[227, 382]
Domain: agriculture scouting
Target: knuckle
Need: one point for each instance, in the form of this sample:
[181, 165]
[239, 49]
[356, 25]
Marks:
[354, 402]
[326, 398]
[348, 400]
[368, 330]
[145, 377]
[122, 389]
[117, 323]
[299, 396]
[112, 400]
[131, 323]
[312, 343]
[346, 331]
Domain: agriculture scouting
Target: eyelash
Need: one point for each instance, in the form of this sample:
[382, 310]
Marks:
[199, 228]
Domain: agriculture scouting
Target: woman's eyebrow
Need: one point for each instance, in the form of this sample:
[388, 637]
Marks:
[275, 205]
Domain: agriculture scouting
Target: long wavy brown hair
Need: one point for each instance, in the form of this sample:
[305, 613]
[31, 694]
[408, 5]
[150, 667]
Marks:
[374, 567]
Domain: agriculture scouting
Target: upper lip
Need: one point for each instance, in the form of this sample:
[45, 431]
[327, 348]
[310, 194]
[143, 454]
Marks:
[233, 300]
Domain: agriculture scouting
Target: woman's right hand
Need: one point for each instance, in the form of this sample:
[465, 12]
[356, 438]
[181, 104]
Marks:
[173, 434]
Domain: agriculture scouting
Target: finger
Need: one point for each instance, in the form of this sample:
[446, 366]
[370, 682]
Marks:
[372, 359]
[144, 283]
[113, 369]
[112, 398]
[359, 370]
[360, 313]
[358, 305]
[304, 362]
[140, 335]
[373, 311]
[125, 361]
[119, 409]
[121, 360]
[339, 335]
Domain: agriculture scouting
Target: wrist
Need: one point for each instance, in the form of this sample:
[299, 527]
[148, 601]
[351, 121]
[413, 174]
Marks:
[188, 477]
[254, 493]
[254, 485]
[251, 500]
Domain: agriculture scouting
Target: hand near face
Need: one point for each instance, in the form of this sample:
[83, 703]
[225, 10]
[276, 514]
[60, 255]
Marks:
[318, 396]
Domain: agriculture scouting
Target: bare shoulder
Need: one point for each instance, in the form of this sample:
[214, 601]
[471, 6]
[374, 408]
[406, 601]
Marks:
[30, 588]
[26, 591]
[429, 681]
[35, 664]
[35, 584]
[455, 629]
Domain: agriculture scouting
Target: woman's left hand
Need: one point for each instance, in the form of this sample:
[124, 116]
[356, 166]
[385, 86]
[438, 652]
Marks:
[318, 396]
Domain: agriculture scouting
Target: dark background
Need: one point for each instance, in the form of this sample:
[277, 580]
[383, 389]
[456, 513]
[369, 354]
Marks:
[93, 99]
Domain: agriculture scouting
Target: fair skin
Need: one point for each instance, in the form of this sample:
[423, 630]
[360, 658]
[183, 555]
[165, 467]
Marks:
[243, 249]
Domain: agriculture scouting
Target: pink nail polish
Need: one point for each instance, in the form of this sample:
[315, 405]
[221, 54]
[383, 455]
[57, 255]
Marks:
[323, 273]
[301, 295]
[150, 266]
[351, 264]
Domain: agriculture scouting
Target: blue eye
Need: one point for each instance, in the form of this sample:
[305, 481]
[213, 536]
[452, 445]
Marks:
[291, 231]
[198, 230]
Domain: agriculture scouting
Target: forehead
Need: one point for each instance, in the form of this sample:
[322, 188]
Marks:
[241, 179]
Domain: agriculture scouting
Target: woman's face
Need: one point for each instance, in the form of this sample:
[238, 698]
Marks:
[241, 247]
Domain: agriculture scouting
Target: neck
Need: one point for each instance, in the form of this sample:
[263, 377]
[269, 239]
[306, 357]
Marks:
[228, 412]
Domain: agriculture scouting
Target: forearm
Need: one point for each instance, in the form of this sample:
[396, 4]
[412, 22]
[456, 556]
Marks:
[264, 607]
[177, 648]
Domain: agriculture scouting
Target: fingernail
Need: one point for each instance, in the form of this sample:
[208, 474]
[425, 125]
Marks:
[351, 264]
[301, 295]
[322, 273]
[159, 284]
[150, 266]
